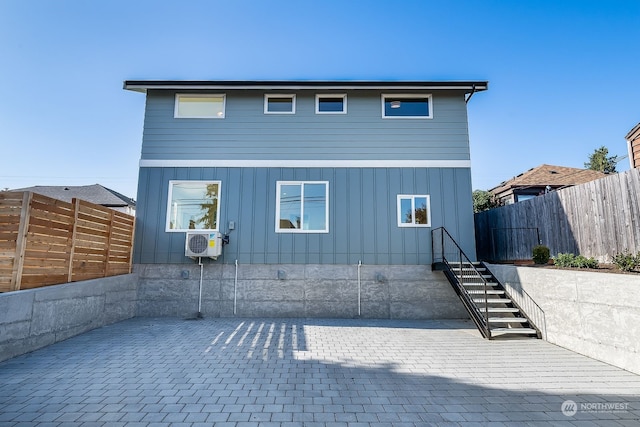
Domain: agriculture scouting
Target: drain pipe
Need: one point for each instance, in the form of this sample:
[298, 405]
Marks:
[200, 288]
[359, 287]
[235, 291]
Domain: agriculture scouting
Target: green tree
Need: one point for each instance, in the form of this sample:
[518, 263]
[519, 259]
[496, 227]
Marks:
[483, 201]
[210, 208]
[420, 215]
[600, 160]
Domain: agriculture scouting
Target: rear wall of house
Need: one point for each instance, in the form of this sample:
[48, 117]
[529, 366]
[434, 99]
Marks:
[305, 274]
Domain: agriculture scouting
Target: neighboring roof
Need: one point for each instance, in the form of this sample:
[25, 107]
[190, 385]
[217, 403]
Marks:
[144, 85]
[95, 193]
[554, 176]
[633, 140]
[633, 133]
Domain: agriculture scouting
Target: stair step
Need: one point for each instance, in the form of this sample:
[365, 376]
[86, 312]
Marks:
[489, 292]
[492, 300]
[525, 331]
[507, 320]
[473, 277]
[479, 284]
[502, 310]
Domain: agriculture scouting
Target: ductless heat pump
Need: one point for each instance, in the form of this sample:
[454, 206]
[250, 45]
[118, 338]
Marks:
[203, 244]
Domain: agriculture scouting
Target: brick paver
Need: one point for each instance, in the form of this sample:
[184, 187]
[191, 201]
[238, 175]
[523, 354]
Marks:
[309, 372]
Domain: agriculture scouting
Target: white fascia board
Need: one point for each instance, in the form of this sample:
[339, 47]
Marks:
[216, 163]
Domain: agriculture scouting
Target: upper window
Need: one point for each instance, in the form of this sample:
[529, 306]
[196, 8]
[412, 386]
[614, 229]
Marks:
[302, 207]
[193, 205]
[331, 104]
[279, 104]
[199, 106]
[407, 106]
[414, 211]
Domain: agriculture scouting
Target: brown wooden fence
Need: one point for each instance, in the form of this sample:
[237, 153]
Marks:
[597, 219]
[44, 241]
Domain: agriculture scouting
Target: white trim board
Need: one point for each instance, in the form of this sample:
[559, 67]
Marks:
[217, 163]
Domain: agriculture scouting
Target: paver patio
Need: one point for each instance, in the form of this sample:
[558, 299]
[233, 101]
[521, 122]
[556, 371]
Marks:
[311, 372]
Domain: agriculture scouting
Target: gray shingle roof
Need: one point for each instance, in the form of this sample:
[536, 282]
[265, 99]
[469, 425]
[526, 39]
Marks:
[95, 193]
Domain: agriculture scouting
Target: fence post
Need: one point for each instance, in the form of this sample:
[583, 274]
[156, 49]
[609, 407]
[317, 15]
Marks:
[76, 211]
[131, 241]
[21, 241]
[108, 255]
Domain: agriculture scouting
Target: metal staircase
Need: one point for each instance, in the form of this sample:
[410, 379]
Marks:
[491, 308]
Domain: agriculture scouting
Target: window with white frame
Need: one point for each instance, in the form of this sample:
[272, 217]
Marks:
[302, 207]
[407, 106]
[331, 104]
[193, 205]
[279, 104]
[199, 106]
[414, 210]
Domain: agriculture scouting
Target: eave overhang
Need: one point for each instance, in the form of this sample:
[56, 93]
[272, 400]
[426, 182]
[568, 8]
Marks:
[145, 85]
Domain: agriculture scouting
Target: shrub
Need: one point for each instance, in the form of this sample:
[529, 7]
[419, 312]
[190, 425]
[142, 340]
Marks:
[540, 254]
[625, 261]
[571, 260]
[564, 260]
[584, 262]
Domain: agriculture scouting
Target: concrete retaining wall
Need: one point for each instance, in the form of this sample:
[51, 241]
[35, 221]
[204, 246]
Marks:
[296, 290]
[35, 318]
[595, 314]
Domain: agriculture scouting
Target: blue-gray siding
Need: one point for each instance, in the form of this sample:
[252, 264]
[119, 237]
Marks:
[362, 220]
[247, 133]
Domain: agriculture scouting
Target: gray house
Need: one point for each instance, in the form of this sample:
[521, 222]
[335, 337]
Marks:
[318, 197]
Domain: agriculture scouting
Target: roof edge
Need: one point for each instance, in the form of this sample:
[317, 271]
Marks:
[144, 85]
[633, 132]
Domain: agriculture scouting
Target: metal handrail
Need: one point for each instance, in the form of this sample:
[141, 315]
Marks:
[541, 327]
[544, 316]
[480, 318]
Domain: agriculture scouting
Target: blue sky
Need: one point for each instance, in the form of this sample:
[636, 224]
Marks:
[563, 74]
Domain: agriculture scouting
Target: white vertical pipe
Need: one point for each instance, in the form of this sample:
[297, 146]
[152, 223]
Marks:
[359, 287]
[235, 291]
[200, 287]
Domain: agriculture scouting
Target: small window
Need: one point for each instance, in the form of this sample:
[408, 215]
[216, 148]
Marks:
[199, 106]
[331, 104]
[279, 104]
[406, 106]
[414, 211]
[193, 205]
[302, 207]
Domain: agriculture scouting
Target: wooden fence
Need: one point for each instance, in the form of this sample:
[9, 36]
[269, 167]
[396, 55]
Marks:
[44, 241]
[597, 219]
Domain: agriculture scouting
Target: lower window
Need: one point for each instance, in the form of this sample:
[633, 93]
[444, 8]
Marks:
[414, 210]
[302, 207]
[193, 205]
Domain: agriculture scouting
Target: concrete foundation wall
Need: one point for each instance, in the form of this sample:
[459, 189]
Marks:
[35, 318]
[296, 290]
[595, 314]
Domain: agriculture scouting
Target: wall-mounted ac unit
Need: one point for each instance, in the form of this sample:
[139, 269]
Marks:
[203, 244]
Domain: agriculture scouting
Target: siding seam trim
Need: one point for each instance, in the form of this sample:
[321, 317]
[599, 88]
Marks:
[150, 163]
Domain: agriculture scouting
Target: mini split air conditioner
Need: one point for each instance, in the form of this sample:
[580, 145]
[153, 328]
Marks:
[203, 244]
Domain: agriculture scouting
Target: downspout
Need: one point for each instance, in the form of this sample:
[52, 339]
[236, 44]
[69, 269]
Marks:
[473, 90]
